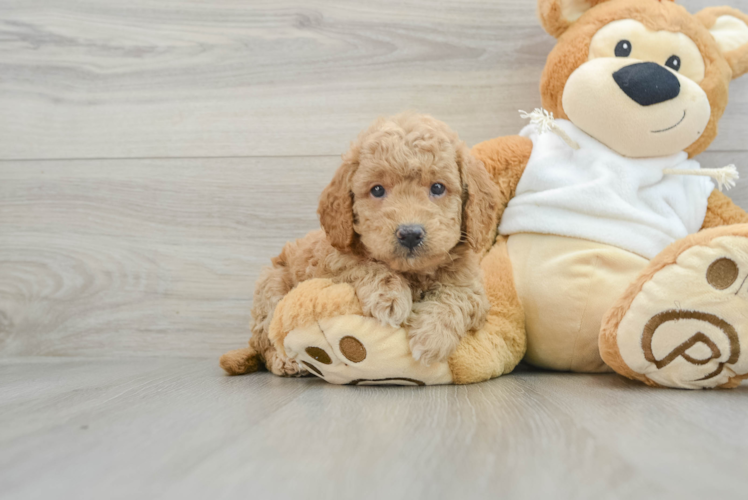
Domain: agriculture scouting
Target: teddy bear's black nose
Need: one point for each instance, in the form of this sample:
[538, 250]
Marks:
[647, 83]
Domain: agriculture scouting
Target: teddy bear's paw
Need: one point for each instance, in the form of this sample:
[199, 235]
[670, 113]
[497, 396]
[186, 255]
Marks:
[358, 350]
[688, 326]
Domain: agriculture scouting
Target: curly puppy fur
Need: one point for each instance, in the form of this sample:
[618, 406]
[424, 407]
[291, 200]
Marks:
[434, 289]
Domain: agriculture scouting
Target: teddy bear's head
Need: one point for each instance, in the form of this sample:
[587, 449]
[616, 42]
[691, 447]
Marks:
[644, 77]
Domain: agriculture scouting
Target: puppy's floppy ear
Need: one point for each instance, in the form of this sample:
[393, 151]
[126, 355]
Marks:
[729, 27]
[557, 16]
[336, 204]
[480, 201]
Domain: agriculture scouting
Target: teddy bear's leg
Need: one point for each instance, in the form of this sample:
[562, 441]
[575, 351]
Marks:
[684, 321]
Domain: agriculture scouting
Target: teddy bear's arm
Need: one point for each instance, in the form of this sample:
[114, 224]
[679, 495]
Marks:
[721, 211]
[505, 159]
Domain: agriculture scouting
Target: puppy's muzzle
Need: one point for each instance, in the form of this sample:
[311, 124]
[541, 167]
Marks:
[647, 83]
[410, 235]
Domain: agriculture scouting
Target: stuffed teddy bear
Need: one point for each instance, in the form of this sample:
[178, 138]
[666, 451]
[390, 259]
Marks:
[623, 256]
[614, 251]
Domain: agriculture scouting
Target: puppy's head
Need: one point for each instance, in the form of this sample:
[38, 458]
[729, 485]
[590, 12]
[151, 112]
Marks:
[408, 193]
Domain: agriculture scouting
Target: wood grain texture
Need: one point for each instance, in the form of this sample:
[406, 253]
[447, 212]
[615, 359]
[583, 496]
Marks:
[179, 429]
[183, 78]
[156, 257]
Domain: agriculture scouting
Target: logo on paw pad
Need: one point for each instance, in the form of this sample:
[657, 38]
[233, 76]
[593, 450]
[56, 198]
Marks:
[687, 326]
[699, 338]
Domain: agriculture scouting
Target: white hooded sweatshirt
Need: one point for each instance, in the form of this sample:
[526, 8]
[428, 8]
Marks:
[596, 194]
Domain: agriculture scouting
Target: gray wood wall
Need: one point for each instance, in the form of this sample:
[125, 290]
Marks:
[154, 155]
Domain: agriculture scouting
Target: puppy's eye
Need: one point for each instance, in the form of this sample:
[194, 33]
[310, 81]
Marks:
[673, 63]
[438, 189]
[377, 191]
[623, 49]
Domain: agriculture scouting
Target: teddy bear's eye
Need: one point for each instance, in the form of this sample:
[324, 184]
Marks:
[673, 63]
[623, 49]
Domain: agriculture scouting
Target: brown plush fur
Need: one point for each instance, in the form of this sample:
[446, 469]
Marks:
[505, 159]
[435, 290]
[721, 211]
[552, 17]
[608, 333]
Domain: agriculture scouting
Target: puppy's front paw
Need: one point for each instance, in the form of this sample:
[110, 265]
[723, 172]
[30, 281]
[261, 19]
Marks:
[282, 366]
[433, 337]
[388, 301]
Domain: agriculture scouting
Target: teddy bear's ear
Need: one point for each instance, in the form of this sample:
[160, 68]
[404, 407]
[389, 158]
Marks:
[729, 27]
[557, 16]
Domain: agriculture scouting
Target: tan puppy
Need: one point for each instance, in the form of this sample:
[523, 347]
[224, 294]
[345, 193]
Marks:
[403, 220]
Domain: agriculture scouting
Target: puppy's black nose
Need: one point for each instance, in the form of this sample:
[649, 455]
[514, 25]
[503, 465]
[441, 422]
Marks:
[647, 83]
[411, 235]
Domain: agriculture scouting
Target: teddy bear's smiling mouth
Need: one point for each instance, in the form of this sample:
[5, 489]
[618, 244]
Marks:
[671, 128]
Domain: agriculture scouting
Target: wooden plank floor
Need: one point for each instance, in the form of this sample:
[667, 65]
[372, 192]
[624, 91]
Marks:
[177, 428]
[154, 155]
